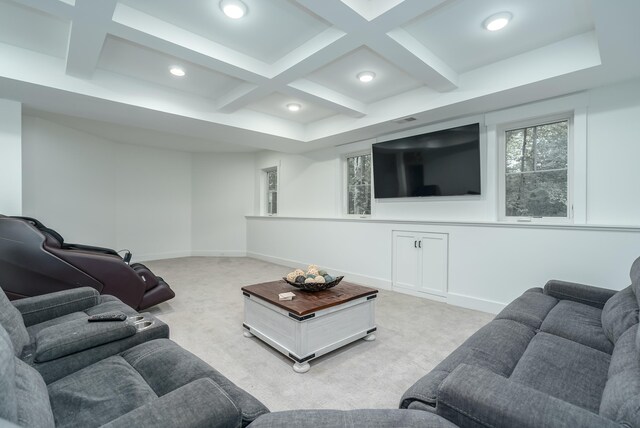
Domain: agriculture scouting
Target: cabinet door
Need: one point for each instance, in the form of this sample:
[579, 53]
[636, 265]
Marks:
[406, 259]
[434, 250]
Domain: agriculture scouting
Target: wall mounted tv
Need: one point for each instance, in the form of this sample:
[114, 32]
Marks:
[440, 163]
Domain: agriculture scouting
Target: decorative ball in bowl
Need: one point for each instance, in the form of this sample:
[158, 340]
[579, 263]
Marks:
[313, 279]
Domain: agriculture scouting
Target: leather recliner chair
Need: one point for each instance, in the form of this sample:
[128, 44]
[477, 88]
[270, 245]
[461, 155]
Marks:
[35, 260]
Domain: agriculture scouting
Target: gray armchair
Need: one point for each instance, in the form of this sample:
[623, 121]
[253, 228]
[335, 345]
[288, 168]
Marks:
[156, 383]
[51, 333]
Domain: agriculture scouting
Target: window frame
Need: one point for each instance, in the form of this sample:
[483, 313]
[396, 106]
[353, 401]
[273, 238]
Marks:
[345, 183]
[267, 191]
[502, 197]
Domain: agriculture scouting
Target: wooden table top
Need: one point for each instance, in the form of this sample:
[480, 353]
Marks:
[307, 302]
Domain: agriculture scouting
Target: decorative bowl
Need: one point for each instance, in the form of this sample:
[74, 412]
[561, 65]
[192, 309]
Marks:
[315, 286]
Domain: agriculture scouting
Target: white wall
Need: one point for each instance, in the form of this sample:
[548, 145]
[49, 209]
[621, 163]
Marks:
[99, 192]
[10, 160]
[490, 262]
[223, 193]
[613, 195]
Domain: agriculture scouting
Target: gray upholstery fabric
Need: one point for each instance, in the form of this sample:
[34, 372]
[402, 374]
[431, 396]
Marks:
[60, 367]
[619, 313]
[98, 394]
[8, 403]
[34, 409]
[577, 322]
[12, 322]
[621, 396]
[75, 336]
[529, 309]
[110, 306]
[200, 403]
[166, 366]
[351, 419]
[564, 369]
[475, 397]
[634, 272]
[38, 309]
[581, 293]
[497, 347]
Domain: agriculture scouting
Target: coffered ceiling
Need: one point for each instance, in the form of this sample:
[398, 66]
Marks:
[99, 64]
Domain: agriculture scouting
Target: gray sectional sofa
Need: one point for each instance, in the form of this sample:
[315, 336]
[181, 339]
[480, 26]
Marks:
[566, 355]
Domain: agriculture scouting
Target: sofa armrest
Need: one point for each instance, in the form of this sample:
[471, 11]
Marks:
[200, 403]
[581, 293]
[475, 396]
[78, 335]
[42, 308]
[366, 418]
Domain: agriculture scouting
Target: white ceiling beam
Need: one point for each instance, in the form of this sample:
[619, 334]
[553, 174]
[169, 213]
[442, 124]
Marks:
[153, 33]
[241, 96]
[384, 37]
[88, 30]
[57, 8]
[400, 47]
[406, 11]
[318, 94]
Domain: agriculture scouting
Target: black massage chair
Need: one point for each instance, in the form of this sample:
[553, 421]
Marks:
[34, 260]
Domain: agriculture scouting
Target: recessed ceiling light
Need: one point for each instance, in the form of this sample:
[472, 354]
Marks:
[498, 21]
[294, 107]
[177, 71]
[366, 76]
[234, 9]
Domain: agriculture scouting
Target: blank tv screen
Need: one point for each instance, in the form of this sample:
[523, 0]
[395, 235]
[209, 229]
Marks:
[441, 163]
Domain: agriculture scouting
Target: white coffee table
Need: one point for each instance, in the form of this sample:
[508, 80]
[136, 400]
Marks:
[313, 323]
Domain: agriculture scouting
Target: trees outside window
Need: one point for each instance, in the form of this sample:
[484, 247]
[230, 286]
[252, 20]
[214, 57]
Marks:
[358, 179]
[536, 167]
[272, 191]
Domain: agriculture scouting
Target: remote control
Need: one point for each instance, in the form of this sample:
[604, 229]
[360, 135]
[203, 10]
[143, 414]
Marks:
[107, 317]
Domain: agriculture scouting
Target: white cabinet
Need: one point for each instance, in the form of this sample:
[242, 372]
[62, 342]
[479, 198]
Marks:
[420, 263]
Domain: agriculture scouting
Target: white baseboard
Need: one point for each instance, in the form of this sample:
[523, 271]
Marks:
[219, 253]
[159, 256]
[476, 303]
[369, 281]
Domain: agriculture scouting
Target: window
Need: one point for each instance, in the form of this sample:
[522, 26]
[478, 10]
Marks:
[272, 190]
[536, 170]
[358, 178]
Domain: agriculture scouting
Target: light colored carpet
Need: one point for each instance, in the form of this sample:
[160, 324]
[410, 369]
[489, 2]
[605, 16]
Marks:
[206, 316]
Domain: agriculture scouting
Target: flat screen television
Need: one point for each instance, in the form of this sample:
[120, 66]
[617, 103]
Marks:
[440, 163]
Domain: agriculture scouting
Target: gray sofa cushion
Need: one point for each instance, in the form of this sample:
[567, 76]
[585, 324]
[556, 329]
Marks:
[98, 394]
[34, 409]
[166, 366]
[8, 403]
[529, 309]
[11, 320]
[577, 322]
[37, 309]
[75, 336]
[621, 396]
[199, 404]
[619, 313]
[564, 369]
[497, 346]
[351, 419]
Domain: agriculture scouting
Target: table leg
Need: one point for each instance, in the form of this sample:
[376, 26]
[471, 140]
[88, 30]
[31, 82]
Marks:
[301, 367]
[370, 337]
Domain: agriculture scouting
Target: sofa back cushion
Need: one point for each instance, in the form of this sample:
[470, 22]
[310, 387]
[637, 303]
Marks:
[11, 320]
[620, 313]
[24, 399]
[621, 396]
[8, 403]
